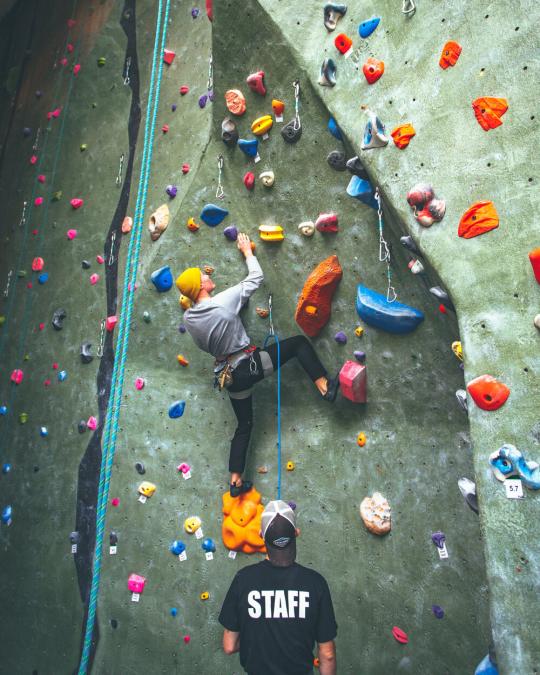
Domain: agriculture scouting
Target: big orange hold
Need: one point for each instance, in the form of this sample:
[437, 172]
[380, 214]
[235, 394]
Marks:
[479, 218]
[534, 257]
[314, 306]
[402, 135]
[488, 111]
[487, 392]
[242, 522]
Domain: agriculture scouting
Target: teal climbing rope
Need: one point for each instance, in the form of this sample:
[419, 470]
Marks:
[273, 334]
[130, 274]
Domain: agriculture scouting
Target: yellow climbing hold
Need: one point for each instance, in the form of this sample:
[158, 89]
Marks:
[457, 349]
[361, 439]
[290, 466]
[358, 331]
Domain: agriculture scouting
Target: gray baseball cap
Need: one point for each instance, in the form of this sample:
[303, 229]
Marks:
[278, 529]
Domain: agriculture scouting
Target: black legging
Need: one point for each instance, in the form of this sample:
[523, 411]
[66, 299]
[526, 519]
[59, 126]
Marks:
[298, 346]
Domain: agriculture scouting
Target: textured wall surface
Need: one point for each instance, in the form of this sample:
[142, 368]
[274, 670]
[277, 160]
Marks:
[418, 441]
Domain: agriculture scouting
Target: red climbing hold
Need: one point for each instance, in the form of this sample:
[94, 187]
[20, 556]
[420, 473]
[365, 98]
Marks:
[255, 82]
[38, 264]
[249, 180]
[450, 54]
[41, 178]
[76, 203]
[534, 257]
[100, 259]
[41, 326]
[478, 219]
[38, 201]
[209, 10]
[33, 159]
[327, 222]
[168, 56]
[400, 635]
[70, 47]
[76, 68]
[184, 89]
[353, 383]
[165, 128]
[111, 322]
[488, 111]
[373, 69]
[17, 376]
[487, 392]
[343, 44]
[71, 23]
[63, 61]
[185, 168]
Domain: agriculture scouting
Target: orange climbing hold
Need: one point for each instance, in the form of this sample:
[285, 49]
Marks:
[534, 257]
[479, 218]
[450, 54]
[487, 392]
[314, 305]
[488, 111]
[235, 101]
[373, 69]
[241, 529]
[402, 135]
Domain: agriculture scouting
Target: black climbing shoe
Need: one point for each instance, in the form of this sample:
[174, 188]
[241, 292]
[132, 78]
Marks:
[332, 388]
[237, 490]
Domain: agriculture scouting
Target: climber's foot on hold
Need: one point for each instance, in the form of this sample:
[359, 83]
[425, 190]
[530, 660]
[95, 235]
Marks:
[332, 386]
[236, 490]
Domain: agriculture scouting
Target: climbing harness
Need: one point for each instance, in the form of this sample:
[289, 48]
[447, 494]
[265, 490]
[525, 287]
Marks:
[273, 334]
[384, 251]
[126, 70]
[297, 124]
[408, 7]
[120, 168]
[110, 429]
[220, 194]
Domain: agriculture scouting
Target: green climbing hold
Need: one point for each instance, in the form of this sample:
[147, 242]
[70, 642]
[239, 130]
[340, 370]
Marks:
[83, 147]
[23, 418]
[101, 61]
[21, 274]
[2, 319]
[57, 196]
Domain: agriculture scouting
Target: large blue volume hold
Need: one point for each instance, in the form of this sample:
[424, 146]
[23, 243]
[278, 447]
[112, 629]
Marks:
[393, 317]
[361, 189]
[162, 279]
[367, 27]
[249, 148]
[213, 215]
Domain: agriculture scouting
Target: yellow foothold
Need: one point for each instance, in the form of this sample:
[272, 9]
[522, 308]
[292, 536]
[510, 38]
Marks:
[358, 331]
[185, 302]
[311, 310]
[290, 466]
[262, 125]
[192, 225]
[182, 360]
[271, 232]
[361, 439]
[147, 489]
[204, 595]
[192, 524]
[457, 349]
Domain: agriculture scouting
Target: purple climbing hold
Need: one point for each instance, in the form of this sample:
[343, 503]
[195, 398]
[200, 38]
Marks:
[211, 95]
[171, 190]
[292, 505]
[438, 538]
[360, 356]
[438, 611]
[173, 107]
[39, 93]
[202, 100]
[231, 233]
[195, 11]
[340, 338]
[182, 328]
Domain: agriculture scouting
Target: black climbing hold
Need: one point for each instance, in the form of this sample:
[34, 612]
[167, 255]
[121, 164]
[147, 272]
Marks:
[332, 14]
[337, 160]
[74, 537]
[292, 131]
[36, 468]
[85, 265]
[229, 132]
[86, 352]
[355, 166]
[81, 427]
[113, 538]
[442, 295]
[139, 468]
[58, 318]
[409, 244]
[27, 131]
[114, 623]
[327, 77]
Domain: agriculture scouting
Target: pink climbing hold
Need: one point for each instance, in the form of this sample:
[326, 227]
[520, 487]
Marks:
[94, 278]
[63, 61]
[111, 322]
[165, 128]
[17, 376]
[41, 326]
[115, 501]
[47, 383]
[92, 423]
[100, 259]
[136, 583]
[352, 379]
[38, 201]
[168, 56]
[71, 23]
[183, 468]
[29, 285]
[71, 234]
[187, 639]
[184, 90]
[38, 264]
[33, 159]
[55, 366]
[76, 68]
[41, 178]
[54, 113]
[185, 168]
[69, 47]
[35, 231]
[76, 203]
[139, 383]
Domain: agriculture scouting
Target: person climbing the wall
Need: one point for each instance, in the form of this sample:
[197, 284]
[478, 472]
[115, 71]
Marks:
[276, 610]
[216, 328]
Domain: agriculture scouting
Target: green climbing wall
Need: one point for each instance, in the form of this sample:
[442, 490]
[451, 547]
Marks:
[418, 439]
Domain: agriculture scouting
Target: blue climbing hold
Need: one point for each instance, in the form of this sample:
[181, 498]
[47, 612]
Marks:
[334, 129]
[7, 513]
[177, 409]
[173, 611]
[208, 545]
[486, 667]
[249, 148]
[162, 279]
[62, 375]
[361, 189]
[6, 468]
[393, 317]
[177, 547]
[43, 432]
[508, 462]
[213, 215]
[367, 27]
[43, 278]
[3, 410]
[438, 611]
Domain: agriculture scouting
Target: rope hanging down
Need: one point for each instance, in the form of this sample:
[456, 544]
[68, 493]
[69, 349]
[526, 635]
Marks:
[273, 334]
[113, 411]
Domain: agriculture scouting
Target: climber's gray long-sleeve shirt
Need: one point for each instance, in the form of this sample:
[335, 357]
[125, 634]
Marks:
[214, 324]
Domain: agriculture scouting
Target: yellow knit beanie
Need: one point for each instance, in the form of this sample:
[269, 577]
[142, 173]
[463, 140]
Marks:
[189, 283]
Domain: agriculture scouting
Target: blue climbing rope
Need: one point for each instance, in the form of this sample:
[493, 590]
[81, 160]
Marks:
[273, 334]
[130, 274]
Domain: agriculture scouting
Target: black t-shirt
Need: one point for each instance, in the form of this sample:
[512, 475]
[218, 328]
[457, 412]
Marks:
[280, 612]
